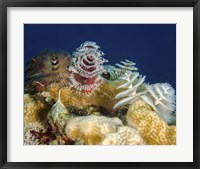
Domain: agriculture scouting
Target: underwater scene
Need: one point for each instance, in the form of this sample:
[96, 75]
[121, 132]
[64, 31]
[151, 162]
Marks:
[99, 84]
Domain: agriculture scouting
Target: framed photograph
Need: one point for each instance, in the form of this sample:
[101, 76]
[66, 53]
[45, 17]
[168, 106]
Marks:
[99, 84]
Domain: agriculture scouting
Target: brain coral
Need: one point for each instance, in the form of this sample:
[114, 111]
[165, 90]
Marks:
[91, 129]
[124, 136]
[151, 127]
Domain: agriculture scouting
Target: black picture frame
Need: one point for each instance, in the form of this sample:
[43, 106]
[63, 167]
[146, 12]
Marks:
[4, 4]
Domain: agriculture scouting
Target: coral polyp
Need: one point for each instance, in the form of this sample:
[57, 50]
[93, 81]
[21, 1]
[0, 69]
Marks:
[86, 68]
[47, 68]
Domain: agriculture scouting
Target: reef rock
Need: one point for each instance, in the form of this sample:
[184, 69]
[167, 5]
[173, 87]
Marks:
[151, 127]
[124, 136]
[91, 129]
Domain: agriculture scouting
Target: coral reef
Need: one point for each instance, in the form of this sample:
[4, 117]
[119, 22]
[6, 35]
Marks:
[151, 127]
[35, 109]
[47, 68]
[91, 129]
[124, 136]
[78, 100]
[87, 67]
[36, 134]
[160, 96]
[103, 97]
[88, 110]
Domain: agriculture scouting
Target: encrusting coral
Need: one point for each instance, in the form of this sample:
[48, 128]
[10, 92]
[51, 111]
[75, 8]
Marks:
[91, 129]
[35, 108]
[151, 127]
[104, 97]
[124, 136]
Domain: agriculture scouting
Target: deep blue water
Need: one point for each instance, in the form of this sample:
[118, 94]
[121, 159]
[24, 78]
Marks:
[151, 46]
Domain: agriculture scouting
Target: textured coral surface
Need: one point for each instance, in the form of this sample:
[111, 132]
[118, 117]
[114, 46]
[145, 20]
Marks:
[151, 127]
[124, 136]
[104, 96]
[35, 108]
[91, 129]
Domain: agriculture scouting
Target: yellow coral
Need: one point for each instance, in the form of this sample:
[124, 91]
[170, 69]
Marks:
[91, 129]
[124, 136]
[35, 109]
[103, 96]
[151, 127]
